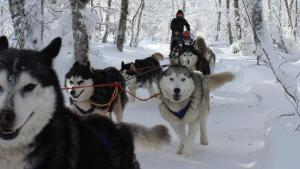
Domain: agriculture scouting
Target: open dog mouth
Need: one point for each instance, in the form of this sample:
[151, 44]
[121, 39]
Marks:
[176, 97]
[9, 134]
[76, 96]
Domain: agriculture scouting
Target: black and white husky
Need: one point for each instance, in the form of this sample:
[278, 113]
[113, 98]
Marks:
[185, 101]
[142, 73]
[91, 99]
[37, 131]
[193, 60]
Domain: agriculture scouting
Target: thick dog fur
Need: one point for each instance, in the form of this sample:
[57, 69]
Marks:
[38, 132]
[142, 73]
[193, 60]
[183, 90]
[144, 137]
[206, 52]
[83, 75]
[94, 99]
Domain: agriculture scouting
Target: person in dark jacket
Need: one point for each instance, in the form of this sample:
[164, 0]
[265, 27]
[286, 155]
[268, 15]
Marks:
[177, 27]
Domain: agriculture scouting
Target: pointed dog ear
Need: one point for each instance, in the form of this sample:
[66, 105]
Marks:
[122, 65]
[132, 67]
[52, 50]
[3, 43]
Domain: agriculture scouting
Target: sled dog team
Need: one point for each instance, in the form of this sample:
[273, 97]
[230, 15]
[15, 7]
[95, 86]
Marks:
[37, 130]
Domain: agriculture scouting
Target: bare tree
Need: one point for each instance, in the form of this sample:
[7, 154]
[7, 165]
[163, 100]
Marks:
[122, 25]
[183, 5]
[237, 18]
[107, 22]
[17, 10]
[80, 35]
[138, 14]
[139, 24]
[290, 24]
[256, 18]
[296, 19]
[35, 24]
[229, 31]
[28, 22]
[218, 28]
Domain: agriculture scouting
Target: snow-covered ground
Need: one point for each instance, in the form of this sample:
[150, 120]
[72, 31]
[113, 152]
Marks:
[244, 127]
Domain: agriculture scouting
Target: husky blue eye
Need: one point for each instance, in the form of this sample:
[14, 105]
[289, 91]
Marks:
[29, 87]
[71, 82]
[80, 82]
[172, 79]
[183, 79]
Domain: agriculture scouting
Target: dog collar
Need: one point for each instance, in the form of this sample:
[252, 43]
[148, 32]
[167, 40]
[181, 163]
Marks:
[180, 114]
[85, 112]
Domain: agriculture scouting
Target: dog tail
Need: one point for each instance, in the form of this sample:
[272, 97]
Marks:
[153, 137]
[157, 56]
[217, 80]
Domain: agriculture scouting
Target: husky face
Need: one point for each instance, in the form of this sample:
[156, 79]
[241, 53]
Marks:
[78, 76]
[188, 59]
[28, 92]
[176, 83]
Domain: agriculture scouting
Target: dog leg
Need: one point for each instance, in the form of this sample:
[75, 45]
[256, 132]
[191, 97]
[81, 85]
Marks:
[180, 131]
[189, 144]
[118, 110]
[155, 88]
[133, 92]
[203, 137]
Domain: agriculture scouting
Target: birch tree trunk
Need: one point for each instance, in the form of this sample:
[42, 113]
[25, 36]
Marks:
[229, 31]
[80, 35]
[17, 10]
[256, 17]
[218, 28]
[107, 21]
[122, 25]
[237, 18]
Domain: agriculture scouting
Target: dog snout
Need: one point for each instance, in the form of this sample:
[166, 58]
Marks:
[7, 118]
[72, 92]
[176, 90]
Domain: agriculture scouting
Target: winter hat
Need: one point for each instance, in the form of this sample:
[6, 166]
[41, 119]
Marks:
[179, 13]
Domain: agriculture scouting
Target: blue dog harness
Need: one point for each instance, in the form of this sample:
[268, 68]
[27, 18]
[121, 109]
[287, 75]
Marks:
[180, 114]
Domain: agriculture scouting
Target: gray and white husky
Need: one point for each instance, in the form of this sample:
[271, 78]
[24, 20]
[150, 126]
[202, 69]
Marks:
[37, 131]
[185, 101]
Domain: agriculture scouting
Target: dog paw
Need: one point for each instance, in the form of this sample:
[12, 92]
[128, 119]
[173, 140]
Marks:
[204, 141]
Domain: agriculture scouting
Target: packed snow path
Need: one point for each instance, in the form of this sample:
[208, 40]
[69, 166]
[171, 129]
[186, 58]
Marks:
[238, 115]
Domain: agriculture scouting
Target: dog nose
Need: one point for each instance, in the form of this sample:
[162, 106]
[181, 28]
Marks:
[7, 118]
[176, 90]
[72, 92]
